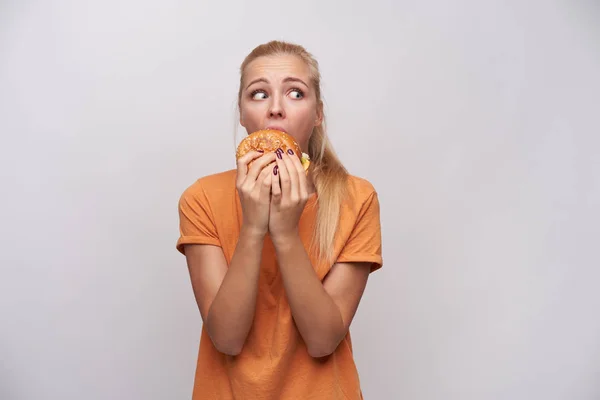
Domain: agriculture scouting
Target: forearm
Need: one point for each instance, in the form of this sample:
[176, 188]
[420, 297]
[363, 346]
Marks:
[317, 317]
[231, 313]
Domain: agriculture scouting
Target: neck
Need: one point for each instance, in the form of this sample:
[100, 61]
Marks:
[311, 185]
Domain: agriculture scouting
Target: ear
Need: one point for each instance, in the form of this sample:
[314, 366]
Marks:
[319, 119]
[241, 117]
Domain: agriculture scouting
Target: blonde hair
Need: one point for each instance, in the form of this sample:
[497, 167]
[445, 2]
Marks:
[326, 170]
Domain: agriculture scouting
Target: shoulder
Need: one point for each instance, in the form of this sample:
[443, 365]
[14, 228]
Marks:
[360, 198]
[359, 230]
[360, 185]
[213, 186]
[360, 190]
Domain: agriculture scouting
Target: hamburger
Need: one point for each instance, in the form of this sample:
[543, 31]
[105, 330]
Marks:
[269, 140]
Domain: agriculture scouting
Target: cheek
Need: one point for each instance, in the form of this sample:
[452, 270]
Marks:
[306, 112]
[305, 122]
[308, 119]
[249, 113]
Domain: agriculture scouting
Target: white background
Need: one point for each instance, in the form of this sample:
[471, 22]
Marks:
[477, 122]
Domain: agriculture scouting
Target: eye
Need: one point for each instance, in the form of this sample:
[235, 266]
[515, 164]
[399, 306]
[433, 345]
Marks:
[258, 95]
[297, 93]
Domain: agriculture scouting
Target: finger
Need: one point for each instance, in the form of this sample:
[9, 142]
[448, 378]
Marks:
[284, 175]
[294, 190]
[244, 160]
[257, 166]
[275, 186]
[264, 181]
[242, 164]
[301, 174]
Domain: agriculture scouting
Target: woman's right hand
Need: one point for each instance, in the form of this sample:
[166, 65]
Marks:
[254, 188]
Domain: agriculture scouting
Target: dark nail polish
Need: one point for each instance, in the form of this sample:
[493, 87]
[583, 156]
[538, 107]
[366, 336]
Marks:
[290, 152]
[280, 150]
[260, 151]
[279, 155]
[275, 170]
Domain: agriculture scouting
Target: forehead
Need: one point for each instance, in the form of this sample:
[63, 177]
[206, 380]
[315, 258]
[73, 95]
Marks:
[274, 67]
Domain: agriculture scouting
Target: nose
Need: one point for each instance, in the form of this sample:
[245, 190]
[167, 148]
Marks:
[276, 109]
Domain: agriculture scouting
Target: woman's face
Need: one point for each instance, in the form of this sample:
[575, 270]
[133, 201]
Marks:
[277, 94]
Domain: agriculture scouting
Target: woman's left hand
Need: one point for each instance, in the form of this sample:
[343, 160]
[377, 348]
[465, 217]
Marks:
[289, 194]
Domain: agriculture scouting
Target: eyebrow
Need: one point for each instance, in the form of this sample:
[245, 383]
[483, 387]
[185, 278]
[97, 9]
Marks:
[288, 79]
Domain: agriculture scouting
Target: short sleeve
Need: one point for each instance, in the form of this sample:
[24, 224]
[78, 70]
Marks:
[196, 222]
[364, 243]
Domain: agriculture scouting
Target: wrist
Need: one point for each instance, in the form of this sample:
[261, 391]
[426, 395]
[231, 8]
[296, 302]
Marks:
[284, 240]
[252, 233]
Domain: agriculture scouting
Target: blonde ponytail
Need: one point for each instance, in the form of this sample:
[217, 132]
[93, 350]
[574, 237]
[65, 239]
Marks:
[330, 179]
[326, 170]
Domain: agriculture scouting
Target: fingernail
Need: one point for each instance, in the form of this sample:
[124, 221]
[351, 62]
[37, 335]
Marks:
[279, 150]
[260, 151]
[275, 170]
[279, 155]
[290, 151]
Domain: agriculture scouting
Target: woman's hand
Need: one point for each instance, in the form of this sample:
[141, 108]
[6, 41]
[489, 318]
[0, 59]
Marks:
[289, 194]
[254, 186]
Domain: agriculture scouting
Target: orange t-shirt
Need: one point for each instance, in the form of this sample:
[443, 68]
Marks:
[274, 362]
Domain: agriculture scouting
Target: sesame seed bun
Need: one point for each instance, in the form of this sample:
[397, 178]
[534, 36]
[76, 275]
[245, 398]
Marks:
[269, 140]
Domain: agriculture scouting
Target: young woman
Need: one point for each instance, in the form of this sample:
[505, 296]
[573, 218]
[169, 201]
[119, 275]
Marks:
[279, 258]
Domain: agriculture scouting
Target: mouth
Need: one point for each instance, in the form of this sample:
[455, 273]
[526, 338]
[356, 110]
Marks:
[277, 128]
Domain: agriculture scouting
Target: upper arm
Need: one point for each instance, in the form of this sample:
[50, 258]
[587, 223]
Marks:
[345, 283]
[207, 267]
[200, 243]
[361, 255]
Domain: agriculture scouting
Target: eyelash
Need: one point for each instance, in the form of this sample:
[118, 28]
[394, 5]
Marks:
[254, 92]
